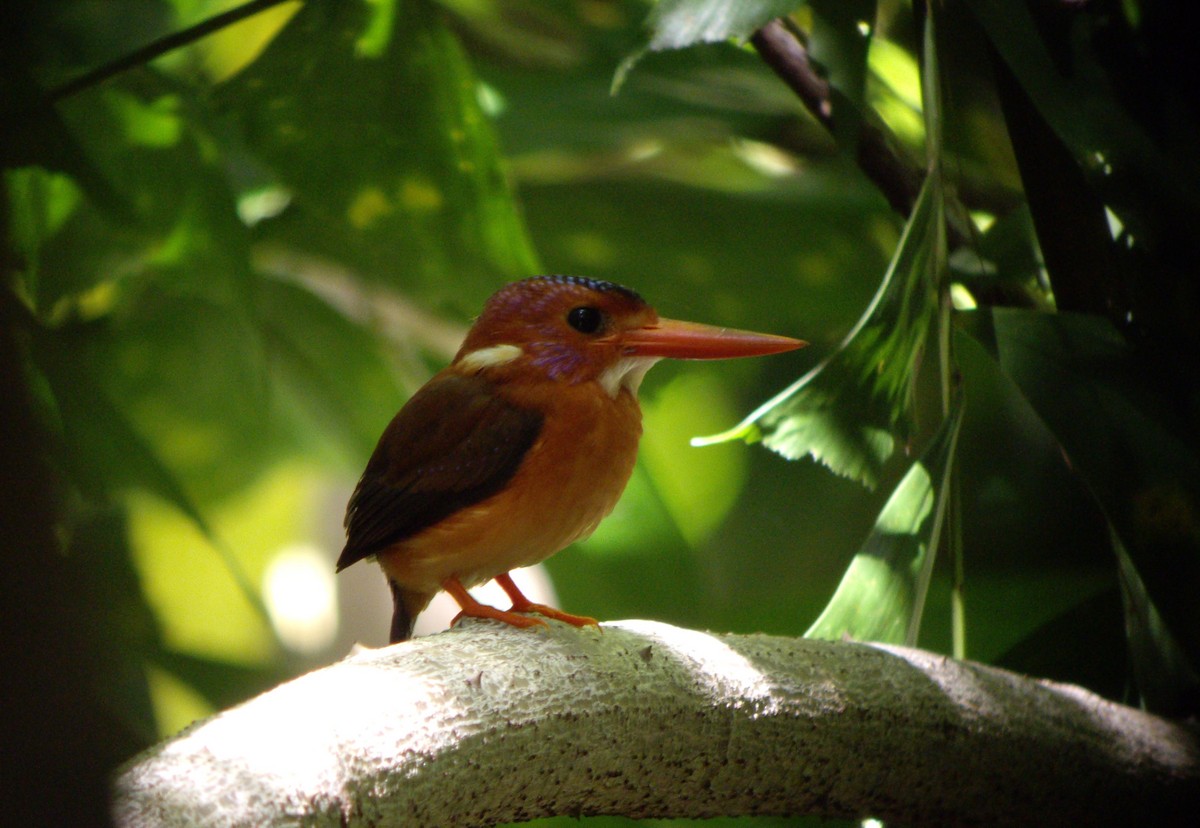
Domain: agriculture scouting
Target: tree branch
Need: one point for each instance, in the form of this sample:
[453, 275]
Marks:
[485, 724]
[897, 177]
[160, 47]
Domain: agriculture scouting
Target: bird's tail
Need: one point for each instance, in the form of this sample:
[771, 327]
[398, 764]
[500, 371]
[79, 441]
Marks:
[406, 606]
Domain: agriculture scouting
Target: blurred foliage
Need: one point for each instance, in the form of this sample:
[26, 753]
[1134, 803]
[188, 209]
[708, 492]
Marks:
[228, 260]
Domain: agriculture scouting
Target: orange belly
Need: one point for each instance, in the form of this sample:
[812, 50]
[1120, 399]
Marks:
[569, 480]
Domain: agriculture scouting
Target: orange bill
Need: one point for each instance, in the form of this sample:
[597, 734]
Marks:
[691, 340]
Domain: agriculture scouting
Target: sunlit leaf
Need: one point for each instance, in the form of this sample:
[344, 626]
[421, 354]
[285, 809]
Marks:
[378, 134]
[845, 410]
[677, 24]
[896, 94]
[232, 48]
[882, 595]
[175, 704]
[204, 605]
[39, 203]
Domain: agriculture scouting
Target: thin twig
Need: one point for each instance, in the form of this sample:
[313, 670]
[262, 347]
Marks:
[786, 55]
[898, 178]
[160, 47]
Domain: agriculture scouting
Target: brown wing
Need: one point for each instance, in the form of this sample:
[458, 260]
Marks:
[455, 443]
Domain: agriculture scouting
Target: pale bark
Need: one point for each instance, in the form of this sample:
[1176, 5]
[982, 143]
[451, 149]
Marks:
[485, 724]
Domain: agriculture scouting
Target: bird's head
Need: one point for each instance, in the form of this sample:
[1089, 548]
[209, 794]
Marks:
[573, 329]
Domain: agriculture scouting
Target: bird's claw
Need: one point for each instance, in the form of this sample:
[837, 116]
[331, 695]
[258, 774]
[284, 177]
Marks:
[511, 618]
[556, 614]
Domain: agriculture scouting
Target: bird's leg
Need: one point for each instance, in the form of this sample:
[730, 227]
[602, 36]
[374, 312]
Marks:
[522, 604]
[473, 609]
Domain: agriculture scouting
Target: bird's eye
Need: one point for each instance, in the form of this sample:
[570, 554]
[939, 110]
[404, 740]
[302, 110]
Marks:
[585, 320]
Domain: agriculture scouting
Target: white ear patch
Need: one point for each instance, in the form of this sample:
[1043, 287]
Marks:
[626, 373]
[489, 357]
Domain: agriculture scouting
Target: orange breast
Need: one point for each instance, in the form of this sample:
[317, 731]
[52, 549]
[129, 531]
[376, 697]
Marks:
[568, 482]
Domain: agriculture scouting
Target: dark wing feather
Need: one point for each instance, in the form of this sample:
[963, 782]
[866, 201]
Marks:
[455, 443]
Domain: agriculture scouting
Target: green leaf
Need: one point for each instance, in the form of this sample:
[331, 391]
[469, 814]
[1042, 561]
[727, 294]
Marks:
[105, 453]
[840, 46]
[882, 595]
[1124, 160]
[370, 117]
[39, 202]
[184, 236]
[1082, 645]
[697, 488]
[931, 93]
[845, 410]
[1127, 441]
[331, 378]
[221, 683]
[1004, 262]
[45, 140]
[678, 24]
[1167, 679]
[105, 600]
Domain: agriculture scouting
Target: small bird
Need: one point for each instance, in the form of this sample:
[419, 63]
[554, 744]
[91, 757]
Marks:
[521, 446]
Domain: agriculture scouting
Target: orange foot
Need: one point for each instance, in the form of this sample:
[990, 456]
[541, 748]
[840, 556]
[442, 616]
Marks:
[522, 604]
[473, 609]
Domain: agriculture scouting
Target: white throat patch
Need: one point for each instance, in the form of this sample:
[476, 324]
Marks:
[627, 373]
[489, 357]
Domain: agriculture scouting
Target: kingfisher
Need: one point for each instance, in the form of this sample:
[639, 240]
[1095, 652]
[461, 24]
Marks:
[521, 446]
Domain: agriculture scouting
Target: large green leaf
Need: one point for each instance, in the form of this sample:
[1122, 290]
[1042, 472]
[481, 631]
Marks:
[845, 410]
[1131, 446]
[369, 117]
[882, 595]
[1072, 85]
